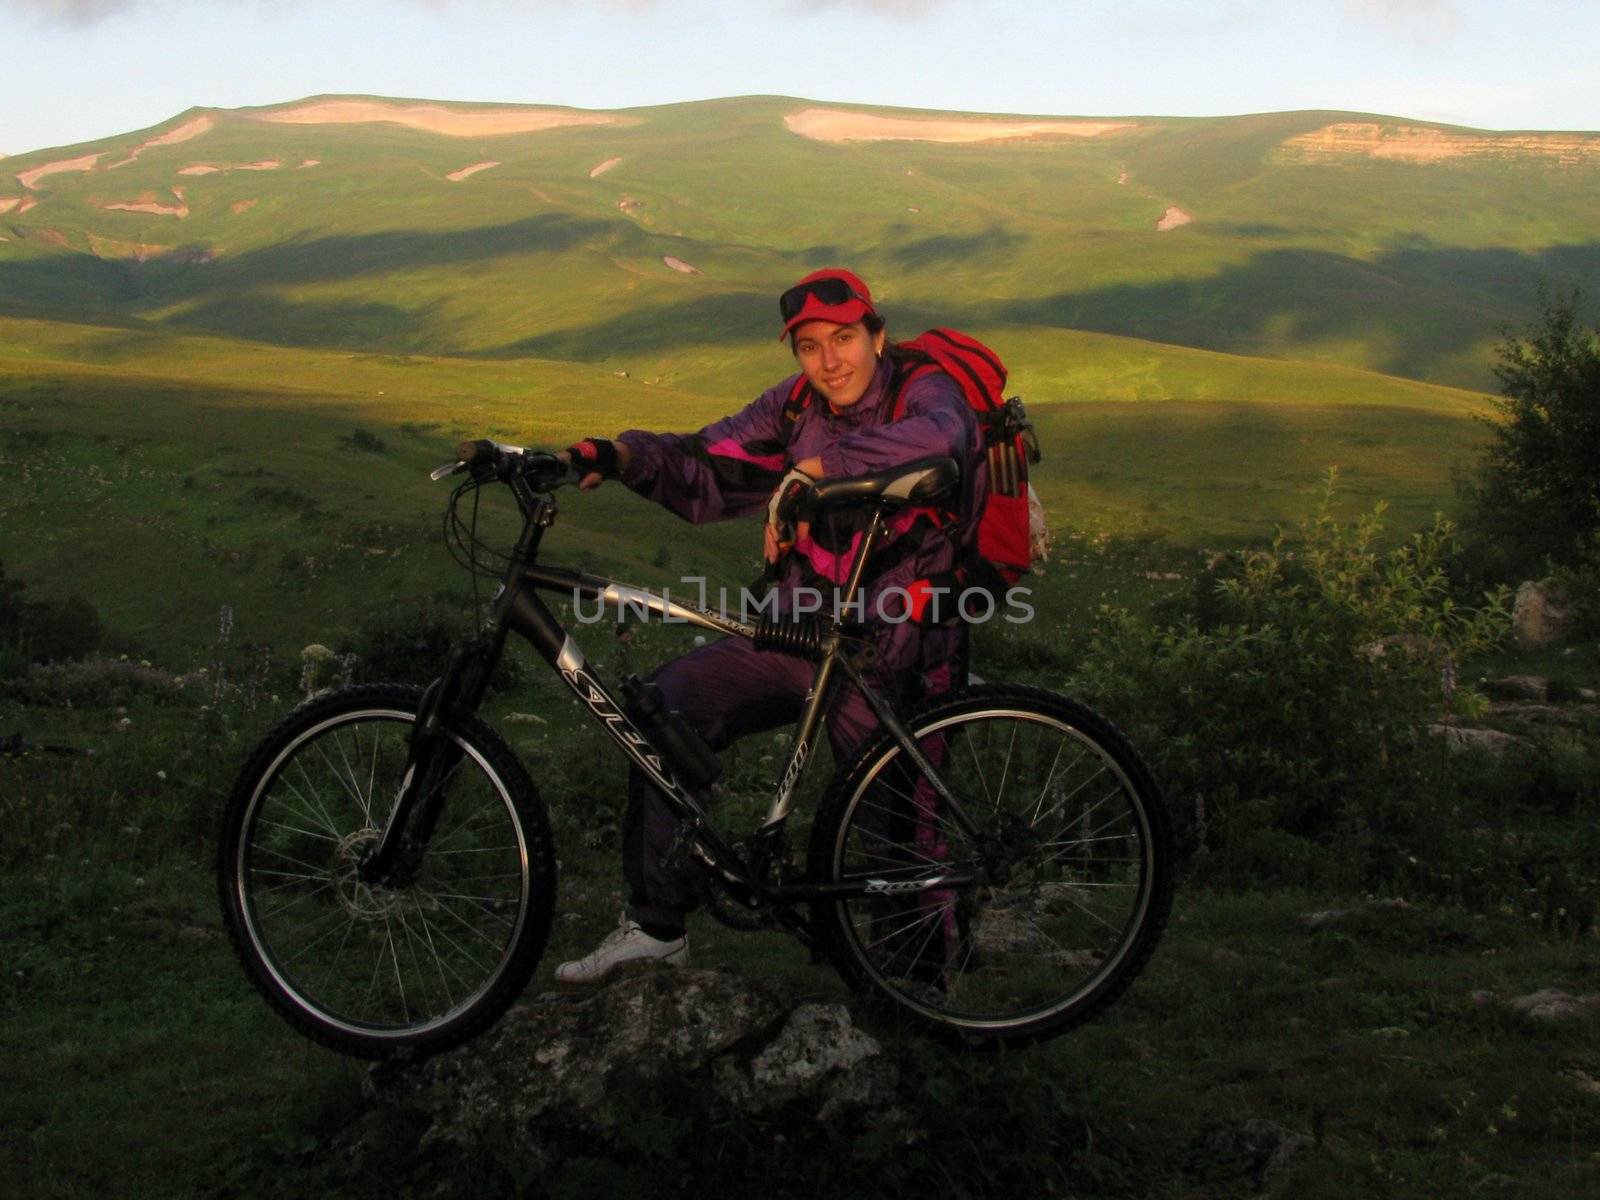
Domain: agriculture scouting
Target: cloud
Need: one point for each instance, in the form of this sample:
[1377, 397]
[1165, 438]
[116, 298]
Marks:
[887, 8]
[1170, 19]
[69, 12]
[90, 12]
[1426, 20]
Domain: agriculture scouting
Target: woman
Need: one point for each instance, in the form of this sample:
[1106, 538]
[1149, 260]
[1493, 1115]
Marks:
[855, 385]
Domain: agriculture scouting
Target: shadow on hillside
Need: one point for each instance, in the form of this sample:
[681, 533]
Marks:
[724, 317]
[1414, 307]
[71, 283]
[260, 317]
[950, 247]
[343, 256]
[228, 289]
[1416, 310]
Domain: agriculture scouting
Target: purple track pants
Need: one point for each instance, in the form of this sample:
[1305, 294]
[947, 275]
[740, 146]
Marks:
[724, 690]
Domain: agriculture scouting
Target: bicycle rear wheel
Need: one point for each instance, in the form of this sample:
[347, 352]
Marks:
[1067, 811]
[372, 970]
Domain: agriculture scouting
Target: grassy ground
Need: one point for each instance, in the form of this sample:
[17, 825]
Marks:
[138, 456]
[1364, 1036]
[137, 1061]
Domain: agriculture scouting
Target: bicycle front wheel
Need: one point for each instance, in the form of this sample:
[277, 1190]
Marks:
[376, 971]
[1056, 899]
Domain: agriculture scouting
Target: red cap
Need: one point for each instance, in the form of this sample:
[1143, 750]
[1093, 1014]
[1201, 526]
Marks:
[847, 312]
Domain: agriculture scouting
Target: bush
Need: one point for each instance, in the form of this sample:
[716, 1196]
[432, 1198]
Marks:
[93, 683]
[412, 647]
[363, 440]
[1536, 492]
[1295, 715]
[43, 630]
[1578, 581]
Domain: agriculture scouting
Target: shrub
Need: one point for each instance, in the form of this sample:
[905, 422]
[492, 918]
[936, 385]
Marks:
[1578, 581]
[1294, 716]
[363, 440]
[412, 647]
[1535, 494]
[93, 683]
[43, 630]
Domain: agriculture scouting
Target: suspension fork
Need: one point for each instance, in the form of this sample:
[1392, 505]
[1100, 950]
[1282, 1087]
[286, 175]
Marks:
[433, 756]
[459, 689]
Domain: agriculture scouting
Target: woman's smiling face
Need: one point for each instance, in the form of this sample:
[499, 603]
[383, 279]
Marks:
[838, 360]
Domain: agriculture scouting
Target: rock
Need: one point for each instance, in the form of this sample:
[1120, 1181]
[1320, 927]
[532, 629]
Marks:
[570, 1074]
[1392, 903]
[1266, 1146]
[1489, 1185]
[1518, 687]
[1530, 716]
[1325, 918]
[1333, 916]
[1457, 739]
[1552, 1004]
[1012, 931]
[1540, 614]
[820, 1052]
[1583, 1082]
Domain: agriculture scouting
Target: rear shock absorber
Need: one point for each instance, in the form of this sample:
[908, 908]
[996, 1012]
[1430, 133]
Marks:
[796, 636]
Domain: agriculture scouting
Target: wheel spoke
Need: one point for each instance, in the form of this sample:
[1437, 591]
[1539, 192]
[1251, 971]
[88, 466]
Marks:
[363, 799]
[1049, 778]
[1069, 832]
[283, 908]
[320, 814]
[316, 941]
[348, 785]
[372, 968]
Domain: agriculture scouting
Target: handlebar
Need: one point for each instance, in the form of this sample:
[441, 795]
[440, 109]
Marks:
[495, 460]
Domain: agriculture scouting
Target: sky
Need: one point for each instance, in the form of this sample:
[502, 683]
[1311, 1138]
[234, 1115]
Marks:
[77, 70]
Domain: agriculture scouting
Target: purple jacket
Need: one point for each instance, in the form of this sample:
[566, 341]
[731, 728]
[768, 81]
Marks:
[729, 468]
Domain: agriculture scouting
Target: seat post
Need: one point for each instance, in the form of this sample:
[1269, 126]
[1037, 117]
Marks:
[858, 569]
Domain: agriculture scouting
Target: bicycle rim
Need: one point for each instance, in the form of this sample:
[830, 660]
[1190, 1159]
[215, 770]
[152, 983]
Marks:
[1086, 882]
[365, 964]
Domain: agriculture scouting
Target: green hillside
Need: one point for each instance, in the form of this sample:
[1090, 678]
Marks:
[195, 318]
[1407, 267]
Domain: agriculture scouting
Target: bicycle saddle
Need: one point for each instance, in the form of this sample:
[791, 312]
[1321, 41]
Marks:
[919, 482]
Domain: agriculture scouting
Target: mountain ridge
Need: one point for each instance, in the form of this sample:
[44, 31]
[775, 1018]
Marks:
[468, 106]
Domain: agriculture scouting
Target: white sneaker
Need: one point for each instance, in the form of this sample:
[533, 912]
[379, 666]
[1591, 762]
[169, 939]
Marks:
[626, 943]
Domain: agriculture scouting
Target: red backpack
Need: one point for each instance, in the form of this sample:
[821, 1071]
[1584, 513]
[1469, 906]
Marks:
[1004, 547]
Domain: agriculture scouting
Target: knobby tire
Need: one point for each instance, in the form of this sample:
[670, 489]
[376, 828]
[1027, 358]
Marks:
[1089, 883]
[374, 971]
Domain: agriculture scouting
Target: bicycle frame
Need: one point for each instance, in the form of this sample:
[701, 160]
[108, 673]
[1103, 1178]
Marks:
[518, 608]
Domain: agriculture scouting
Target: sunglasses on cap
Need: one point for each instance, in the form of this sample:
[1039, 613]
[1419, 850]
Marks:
[829, 292]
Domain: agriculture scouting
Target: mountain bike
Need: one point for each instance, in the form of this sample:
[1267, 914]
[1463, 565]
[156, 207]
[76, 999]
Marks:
[994, 864]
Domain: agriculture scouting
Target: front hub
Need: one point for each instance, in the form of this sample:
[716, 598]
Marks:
[361, 898]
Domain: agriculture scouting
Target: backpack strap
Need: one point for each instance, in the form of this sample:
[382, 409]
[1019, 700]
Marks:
[800, 397]
[910, 362]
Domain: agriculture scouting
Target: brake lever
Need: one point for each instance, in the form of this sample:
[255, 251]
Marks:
[461, 464]
[448, 469]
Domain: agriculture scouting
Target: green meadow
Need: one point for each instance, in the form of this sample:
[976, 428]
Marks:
[139, 459]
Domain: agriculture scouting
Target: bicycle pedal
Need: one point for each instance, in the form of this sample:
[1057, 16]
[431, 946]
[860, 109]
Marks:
[681, 848]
